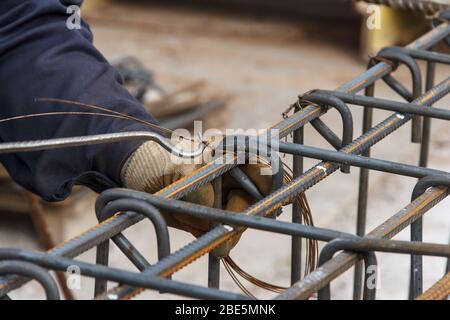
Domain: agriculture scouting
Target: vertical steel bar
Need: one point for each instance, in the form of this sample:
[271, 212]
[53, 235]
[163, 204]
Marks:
[447, 267]
[116, 224]
[220, 234]
[296, 242]
[363, 192]
[344, 261]
[416, 277]
[213, 261]
[102, 258]
[429, 83]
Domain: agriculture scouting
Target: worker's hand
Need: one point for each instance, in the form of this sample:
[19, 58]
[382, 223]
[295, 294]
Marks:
[237, 200]
[151, 168]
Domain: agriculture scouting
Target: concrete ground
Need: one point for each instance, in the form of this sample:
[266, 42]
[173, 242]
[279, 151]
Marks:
[264, 64]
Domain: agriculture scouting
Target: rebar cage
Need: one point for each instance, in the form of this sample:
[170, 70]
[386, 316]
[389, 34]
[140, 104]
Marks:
[119, 209]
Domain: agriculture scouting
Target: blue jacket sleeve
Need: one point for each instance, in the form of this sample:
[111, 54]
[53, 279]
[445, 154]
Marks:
[41, 57]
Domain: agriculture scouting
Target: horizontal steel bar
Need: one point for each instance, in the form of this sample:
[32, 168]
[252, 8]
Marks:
[58, 143]
[343, 261]
[227, 217]
[367, 246]
[114, 225]
[402, 107]
[392, 246]
[356, 160]
[221, 234]
[117, 275]
[428, 55]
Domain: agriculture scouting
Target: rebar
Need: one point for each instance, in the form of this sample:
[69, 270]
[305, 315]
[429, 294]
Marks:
[120, 209]
[57, 143]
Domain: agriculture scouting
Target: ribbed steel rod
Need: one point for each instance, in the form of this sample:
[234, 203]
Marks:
[219, 235]
[344, 261]
[206, 174]
[384, 104]
[297, 212]
[439, 291]
[235, 219]
[370, 245]
[363, 195]
[359, 161]
[58, 143]
[117, 275]
[430, 56]
[213, 261]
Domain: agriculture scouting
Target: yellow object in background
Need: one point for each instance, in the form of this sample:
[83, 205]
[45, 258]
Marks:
[397, 27]
[90, 5]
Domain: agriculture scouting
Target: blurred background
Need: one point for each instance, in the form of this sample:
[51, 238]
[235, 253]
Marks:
[240, 64]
